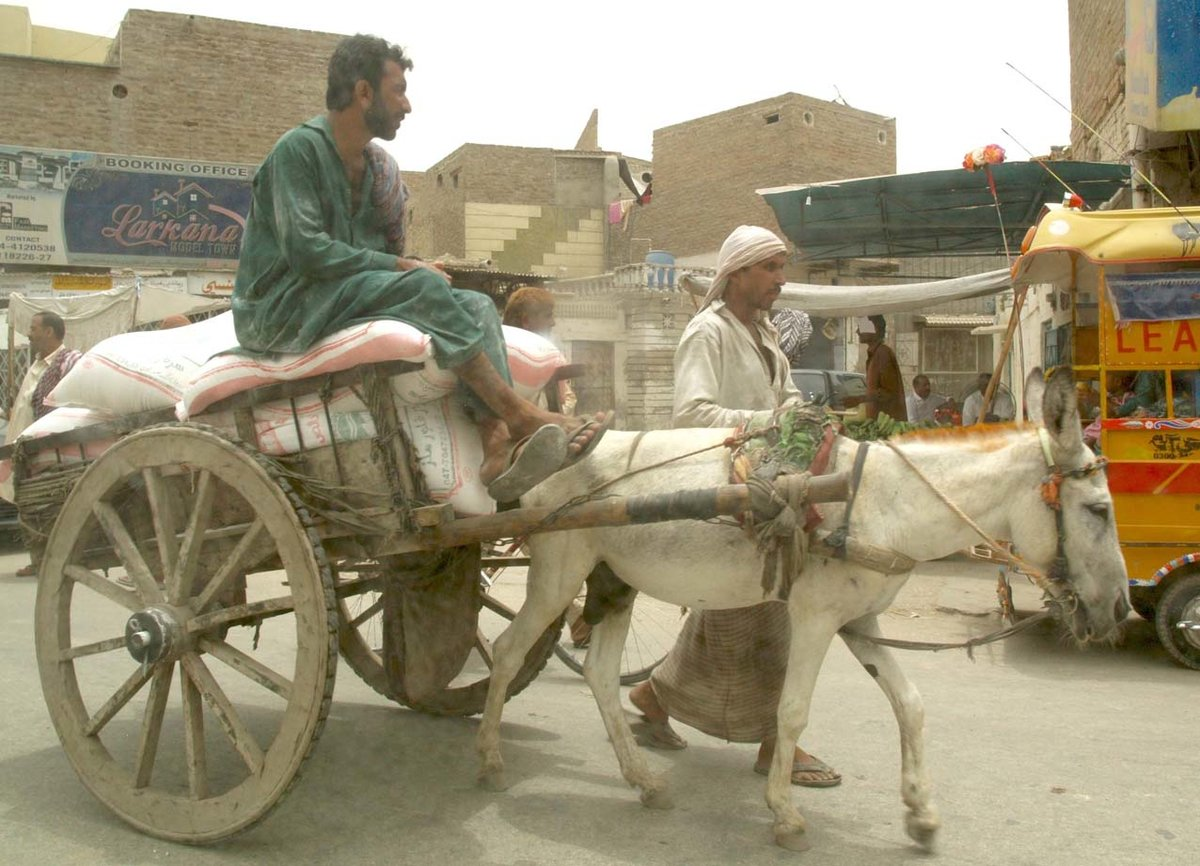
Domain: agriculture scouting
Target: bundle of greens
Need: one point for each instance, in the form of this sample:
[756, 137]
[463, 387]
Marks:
[884, 426]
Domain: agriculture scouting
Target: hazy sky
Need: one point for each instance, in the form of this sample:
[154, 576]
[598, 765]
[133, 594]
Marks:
[529, 72]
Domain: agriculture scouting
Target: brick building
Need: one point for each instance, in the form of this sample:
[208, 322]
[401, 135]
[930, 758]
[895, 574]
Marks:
[706, 170]
[1106, 50]
[525, 209]
[172, 85]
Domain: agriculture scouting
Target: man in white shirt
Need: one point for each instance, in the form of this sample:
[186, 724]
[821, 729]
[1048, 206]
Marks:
[1002, 408]
[922, 402]
[725, 672]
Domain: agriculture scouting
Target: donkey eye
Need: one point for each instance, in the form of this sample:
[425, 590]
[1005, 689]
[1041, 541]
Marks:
[1100, 509]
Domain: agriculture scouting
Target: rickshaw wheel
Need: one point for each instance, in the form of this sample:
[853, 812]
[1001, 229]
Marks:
[1178, 621]
[221, 557]
[1143, 601]
[360, 638]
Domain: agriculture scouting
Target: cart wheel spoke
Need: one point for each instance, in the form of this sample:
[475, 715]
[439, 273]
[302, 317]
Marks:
[119, 698]
[165, 518]
[127, 550]
[484, 647]
[232, 565]
[222, 525]
[160, 689]
[243, 614]
[193, 536]
[231, 723]
[91, 649]
[372, 610]
[248, 666]
[103, 586]
[193, 737]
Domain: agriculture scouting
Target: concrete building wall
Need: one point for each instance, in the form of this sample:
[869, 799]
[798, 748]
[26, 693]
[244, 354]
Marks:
[183, 86]
[706, 170]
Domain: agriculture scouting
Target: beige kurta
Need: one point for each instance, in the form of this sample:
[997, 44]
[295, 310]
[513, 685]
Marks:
[725, 673]
[721, 378]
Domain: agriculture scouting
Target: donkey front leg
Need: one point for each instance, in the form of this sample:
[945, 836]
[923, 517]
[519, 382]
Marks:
[915, 788]
[602, 670]
[810, 641]
[548, 592]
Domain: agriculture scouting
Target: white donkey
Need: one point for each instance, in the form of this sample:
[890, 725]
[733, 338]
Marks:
[994, 476]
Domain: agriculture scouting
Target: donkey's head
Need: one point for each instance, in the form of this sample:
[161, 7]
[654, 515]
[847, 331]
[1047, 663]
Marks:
[1074, 534]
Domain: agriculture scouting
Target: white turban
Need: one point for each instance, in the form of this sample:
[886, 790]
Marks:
[745, 246]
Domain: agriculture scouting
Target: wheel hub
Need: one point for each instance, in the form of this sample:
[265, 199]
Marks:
[152, 635]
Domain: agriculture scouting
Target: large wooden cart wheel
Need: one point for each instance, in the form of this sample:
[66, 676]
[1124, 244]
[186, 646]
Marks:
[186, 633]
[361, 612]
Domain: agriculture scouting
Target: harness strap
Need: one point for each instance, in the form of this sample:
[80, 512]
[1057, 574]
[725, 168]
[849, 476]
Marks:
[1044, 583]
[837, 539]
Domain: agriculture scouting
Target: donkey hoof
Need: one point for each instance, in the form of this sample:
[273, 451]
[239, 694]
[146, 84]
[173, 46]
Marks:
[922, 829]
[492, 779]
[657, 798]
[792, 838]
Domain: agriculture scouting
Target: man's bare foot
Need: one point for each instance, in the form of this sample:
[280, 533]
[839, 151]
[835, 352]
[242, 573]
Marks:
[581, 430]
[808, 770]
[642, 696]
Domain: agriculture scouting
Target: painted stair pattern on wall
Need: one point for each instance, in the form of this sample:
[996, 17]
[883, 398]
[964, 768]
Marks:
[557, 242]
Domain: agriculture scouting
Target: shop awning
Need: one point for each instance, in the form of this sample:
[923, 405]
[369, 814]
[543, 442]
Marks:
[933, 212]
[820, 300]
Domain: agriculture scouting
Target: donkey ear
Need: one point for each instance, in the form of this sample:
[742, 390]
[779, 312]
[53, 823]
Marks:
[1060, 412]
[1035, 387]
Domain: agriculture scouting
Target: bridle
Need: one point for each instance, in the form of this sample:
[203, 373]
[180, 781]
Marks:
[1051, 494]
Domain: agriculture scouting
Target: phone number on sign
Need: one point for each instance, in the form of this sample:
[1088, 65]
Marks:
[14, 256]
[24, 246]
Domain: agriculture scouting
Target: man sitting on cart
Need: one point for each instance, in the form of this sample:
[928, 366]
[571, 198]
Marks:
[324, 250]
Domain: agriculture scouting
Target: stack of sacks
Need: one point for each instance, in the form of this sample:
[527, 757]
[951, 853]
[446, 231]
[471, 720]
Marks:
[191, 368]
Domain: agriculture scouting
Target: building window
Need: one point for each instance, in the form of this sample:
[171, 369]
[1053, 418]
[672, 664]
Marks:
[808, 118]
[120, 91]
[773, 118]
[881, 136]
[454, 178]
[440, 181]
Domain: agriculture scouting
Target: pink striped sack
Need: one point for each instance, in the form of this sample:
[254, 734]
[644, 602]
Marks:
[57, 421]
[532, 360]
[142, 370]
[366, 343]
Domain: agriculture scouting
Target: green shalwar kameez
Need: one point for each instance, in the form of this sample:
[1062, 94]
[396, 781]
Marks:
[311, 265]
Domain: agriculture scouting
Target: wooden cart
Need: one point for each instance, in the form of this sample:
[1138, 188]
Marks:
[194, 596]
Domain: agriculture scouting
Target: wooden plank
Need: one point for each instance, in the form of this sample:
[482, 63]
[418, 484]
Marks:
[705, 504]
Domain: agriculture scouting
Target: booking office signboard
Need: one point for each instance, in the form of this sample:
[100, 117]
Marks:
[72, 208]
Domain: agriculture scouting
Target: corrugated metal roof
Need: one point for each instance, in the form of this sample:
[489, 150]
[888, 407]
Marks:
[948, 212]
[954, 321]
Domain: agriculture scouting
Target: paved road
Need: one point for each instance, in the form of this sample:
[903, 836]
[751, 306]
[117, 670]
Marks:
[1040, 754]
